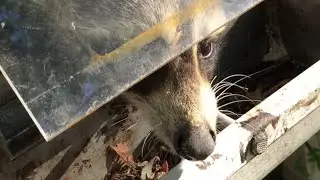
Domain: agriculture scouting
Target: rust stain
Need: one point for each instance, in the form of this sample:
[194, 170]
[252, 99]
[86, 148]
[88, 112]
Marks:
[204, 165]
[259, 122]
[310, 99]
[166, 29]
[216, 156]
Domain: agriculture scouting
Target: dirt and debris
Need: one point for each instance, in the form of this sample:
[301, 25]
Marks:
[152, 165]
[149, 161]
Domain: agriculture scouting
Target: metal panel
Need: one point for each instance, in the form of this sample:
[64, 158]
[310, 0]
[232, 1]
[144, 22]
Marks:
[60, 83]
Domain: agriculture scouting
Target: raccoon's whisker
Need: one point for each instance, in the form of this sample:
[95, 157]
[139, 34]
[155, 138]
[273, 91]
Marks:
[152, 142]
[245, 76]
[149, 142]
[154, 145]
[230, 112]
[223, 83]
[75, 13]
[250, 75]
[160, 123]
[228, 77]
[234, 84]
[220, 86]
[238, 102]
[226, 95]
[118, 122]
[144, 142]
[107, 135]
[118, 116]
[131, 126]
[212, 81]
[117, 129]
[163, 155]
[228, 84]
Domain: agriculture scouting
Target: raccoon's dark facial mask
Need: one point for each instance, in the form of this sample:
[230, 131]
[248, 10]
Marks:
[178, 103]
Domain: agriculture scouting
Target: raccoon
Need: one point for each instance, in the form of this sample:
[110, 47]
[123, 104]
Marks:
[178, 102]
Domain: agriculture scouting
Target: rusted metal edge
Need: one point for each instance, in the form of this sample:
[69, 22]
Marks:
[295, 103]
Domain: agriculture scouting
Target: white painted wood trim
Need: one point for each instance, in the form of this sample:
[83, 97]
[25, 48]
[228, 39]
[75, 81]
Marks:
[297, 106]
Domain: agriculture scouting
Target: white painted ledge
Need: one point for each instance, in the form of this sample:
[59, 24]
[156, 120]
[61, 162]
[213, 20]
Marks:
[297, 106]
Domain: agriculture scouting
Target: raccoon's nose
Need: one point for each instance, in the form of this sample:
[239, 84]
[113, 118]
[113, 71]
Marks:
[197, 143]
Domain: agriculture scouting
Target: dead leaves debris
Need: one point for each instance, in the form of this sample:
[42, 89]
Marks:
[122, 165]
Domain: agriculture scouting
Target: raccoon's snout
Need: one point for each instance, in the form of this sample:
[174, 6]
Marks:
[196, 143]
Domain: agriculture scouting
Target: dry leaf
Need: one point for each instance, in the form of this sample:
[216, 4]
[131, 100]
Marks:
[146, 172]
[142, 164]
[124, 153]
[159, 175]
[165, 167]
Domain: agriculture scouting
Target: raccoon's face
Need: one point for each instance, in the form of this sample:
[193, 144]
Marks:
[177, 101]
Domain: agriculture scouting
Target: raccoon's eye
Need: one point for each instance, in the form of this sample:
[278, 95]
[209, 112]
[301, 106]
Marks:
[205, 49]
